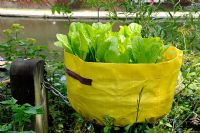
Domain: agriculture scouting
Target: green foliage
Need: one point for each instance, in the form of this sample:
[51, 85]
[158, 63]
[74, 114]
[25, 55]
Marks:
[37, 1]
[108, 124]
[183, 33]
[21, 114]
[80, 125]
[60, 8]
[17, 47]
[5, 128]
[99, 43]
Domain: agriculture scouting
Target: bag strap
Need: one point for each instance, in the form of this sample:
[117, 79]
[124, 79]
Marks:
[78, 77]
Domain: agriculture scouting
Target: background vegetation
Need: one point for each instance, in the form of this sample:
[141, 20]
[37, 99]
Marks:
[183, 33]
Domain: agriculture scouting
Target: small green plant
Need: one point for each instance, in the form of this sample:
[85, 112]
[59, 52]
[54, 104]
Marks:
[80, 125]
[108, 124]
[21, 115]
[138, 104]
[60, 6]
[17, 47]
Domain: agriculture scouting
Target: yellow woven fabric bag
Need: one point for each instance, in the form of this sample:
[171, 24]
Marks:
[96, 90]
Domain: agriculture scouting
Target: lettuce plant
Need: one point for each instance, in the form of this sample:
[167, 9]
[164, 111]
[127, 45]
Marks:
[98, 43]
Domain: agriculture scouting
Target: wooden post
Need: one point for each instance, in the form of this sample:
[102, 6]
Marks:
[26, 78]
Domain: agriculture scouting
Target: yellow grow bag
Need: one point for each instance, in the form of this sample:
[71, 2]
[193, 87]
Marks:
[96, 90]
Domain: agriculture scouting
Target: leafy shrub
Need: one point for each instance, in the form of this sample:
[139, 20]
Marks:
[21, 114]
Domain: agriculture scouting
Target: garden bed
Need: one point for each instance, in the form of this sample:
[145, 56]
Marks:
[18, 43]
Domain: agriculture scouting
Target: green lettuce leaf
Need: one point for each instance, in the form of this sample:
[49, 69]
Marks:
[98, 43]
[131, 30]
[146, 50]
[113, 54]
[63, 42]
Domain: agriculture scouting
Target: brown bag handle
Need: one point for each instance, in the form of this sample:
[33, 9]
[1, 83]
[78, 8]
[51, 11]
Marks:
[78, 77]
